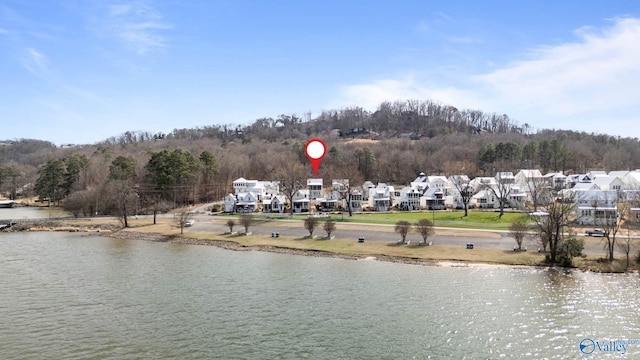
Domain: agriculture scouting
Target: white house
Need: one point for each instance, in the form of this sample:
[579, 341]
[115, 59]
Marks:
[408, 199]
[632, 180]
[453, 200]
[484, 199]
[247, 202]
[243, 185]
[274, 204]
[329, 202]
[301, 201]
[606, 182]
[596, 207]
[433, 198]
[315, 188]
[356, 200]
[230, 203]
[260, 189]
[506, 177]
[556, 180]
[483, 182]
[380, 197]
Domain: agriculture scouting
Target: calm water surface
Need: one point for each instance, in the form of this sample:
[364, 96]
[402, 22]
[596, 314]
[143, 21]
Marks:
[69, 296]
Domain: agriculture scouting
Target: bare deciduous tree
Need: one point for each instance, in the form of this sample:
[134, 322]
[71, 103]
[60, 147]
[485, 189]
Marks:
[402, 227]
[461, 184]
[246, 220]
[182, 218]
[551, 225]
[310, 223]
[329, 226]
[518, 230]
[292, 178]
[231, 223]
[425, 228]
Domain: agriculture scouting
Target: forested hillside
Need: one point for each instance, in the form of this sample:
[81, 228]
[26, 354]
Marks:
[391, 144]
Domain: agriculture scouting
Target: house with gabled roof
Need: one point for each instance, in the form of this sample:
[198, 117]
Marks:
[247, 202]
[596, 207]
[301, 201]
[608, 182]
[408, 199]
[484, 199]
[433, 198]
[632, 180]
[483, 182]
[453, 200]
[380, 197]
[274, 204]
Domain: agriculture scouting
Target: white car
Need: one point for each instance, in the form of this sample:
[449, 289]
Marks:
[189, 223]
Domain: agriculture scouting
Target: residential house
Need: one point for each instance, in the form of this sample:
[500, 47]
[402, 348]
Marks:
[483, 182]
[329, 202]
[484, 199]
[230, 203]
[274, 204]
[532, 184]
[556, 180]
[247, 202]
[301, 201]
[574, 179]
[261, 189]
[380, 197]
[506, 177]
[596, 207]
[607, 182]
[243, 185]
[366, 190]
[315, 188]
[433, 198]
[632, 180]
[356, 201]
[458, 183]
[408, 198]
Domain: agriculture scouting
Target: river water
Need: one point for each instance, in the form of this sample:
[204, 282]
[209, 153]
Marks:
[75, 296]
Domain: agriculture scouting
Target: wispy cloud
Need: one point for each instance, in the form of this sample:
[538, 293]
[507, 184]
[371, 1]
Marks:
[35, 62]
[600, 70]
[597, 72]
[136, 24]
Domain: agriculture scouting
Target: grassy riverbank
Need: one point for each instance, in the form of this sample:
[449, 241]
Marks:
[166, 230]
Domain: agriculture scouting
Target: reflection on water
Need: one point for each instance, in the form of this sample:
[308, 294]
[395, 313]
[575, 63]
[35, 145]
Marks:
[77, 296]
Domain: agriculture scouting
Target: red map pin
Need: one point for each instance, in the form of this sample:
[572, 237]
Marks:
[315, 151]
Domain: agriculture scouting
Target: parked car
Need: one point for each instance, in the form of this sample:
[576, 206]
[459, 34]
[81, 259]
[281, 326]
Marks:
[596, 232]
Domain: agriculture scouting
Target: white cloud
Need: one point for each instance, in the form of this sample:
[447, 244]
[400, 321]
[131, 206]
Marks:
[35, 62]
[578, 82]
[370, 95]
[136, 24]
[598, 72]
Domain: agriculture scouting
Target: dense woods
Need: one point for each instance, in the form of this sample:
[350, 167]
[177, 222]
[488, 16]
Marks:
[144, 171]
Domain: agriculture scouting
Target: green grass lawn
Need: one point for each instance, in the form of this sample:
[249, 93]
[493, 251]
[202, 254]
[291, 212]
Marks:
[456, 219]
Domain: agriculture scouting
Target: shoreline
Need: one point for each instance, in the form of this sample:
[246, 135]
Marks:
[494, 258]
[235, 246]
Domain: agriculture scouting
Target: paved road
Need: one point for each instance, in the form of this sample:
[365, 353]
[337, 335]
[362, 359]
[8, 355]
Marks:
[482, 238]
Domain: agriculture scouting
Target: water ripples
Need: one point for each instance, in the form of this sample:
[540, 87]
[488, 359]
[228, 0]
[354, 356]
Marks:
[72, 297]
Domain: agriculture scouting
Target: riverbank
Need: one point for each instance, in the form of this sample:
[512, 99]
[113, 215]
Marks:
[436, 255]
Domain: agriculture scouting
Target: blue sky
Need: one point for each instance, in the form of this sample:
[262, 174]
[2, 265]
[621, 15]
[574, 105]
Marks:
[80, 71]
